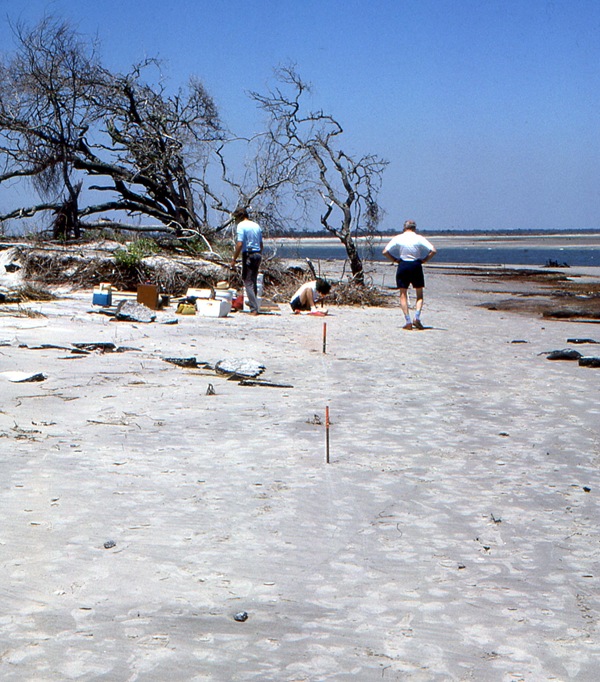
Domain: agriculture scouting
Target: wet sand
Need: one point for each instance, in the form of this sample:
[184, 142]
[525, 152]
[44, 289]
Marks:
[453, 535]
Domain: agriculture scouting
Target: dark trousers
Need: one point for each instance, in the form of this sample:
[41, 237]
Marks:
[250, 266]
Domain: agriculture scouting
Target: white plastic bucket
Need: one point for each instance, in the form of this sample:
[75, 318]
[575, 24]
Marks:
[224, 294]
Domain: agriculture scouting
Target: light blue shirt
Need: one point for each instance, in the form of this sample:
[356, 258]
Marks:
[250, 234]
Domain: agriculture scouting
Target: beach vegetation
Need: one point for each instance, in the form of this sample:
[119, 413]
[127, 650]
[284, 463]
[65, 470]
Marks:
[134, 252]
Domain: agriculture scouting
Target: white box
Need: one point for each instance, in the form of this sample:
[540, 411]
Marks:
[198, 293]
[213, 307]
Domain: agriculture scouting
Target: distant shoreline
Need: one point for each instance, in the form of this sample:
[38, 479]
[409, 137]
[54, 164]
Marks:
[491, 234]
[541, 240]
[563, 250]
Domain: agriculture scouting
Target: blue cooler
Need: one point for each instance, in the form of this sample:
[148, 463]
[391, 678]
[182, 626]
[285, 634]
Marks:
[102, 295]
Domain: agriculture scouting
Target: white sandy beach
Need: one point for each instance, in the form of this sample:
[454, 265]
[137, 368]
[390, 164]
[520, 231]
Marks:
[453, 535]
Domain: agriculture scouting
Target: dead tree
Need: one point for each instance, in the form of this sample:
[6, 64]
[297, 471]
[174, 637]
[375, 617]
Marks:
[43, 114]
[66, 221]
[65, 118]
[123, 150]
[348, 185]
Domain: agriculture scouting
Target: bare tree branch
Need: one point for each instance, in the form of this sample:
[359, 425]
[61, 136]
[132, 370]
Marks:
[348, 185]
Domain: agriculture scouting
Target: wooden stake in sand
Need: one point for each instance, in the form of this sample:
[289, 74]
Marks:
[327, 434]
[324, 337]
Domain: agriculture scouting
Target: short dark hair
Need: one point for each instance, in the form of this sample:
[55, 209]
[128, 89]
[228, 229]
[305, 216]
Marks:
[323, 286]
[240, 214]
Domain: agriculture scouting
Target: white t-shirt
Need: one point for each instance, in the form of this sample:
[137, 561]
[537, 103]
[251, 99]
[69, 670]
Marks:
[409, 246]
[304, 287]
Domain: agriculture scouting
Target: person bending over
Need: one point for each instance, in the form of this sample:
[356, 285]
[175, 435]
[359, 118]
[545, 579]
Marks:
[410, 250]
[309, 294]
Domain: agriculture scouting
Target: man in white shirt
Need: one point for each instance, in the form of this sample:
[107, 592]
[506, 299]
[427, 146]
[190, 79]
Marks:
[249, 243]
[410, 250]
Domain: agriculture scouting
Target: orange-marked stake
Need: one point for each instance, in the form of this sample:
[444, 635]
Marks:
[324, 337]
[327, 434]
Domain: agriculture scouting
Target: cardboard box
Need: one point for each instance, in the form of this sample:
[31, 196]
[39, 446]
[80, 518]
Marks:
[147, 294]
[213, 307]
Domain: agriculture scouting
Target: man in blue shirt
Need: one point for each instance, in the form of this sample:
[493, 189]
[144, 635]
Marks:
[249, 243]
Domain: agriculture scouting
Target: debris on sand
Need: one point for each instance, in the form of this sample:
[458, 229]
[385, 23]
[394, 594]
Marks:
[22, 377]
[242, 368]
[84, 348]
[185, 362]
[260, 382]
[564, 354]
[129, 311]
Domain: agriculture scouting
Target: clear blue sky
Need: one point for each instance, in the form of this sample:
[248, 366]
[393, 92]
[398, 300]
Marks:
[488, 110]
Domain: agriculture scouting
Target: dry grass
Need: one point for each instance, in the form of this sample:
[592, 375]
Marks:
[353, 294]
[19, 311]
[33, 292]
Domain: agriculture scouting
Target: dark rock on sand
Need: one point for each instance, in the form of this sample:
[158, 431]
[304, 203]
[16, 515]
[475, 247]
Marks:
[134, 312]
[589, 361]
[565, 354]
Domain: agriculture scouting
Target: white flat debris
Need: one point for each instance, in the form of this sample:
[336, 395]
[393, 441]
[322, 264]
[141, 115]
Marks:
[21, 377]
[240, 367]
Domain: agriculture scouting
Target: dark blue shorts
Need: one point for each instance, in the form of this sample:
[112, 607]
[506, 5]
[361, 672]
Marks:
[410, 272]
[297, 304]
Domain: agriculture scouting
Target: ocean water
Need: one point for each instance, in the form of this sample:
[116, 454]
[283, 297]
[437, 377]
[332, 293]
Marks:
[585, 253]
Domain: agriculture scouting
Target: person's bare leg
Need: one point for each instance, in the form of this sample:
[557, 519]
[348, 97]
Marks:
[418, 307]
[404, 307]
[306, 298]
[404, 301]
[419, 304]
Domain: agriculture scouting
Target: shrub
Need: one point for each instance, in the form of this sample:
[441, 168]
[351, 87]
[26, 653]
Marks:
[131, 256]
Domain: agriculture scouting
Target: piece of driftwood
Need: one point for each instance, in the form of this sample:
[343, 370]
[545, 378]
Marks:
[564, 354]
[84, 348]
[185, 362]
[103, 346]
[589, 361]
[46, 346]
[259, 382]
